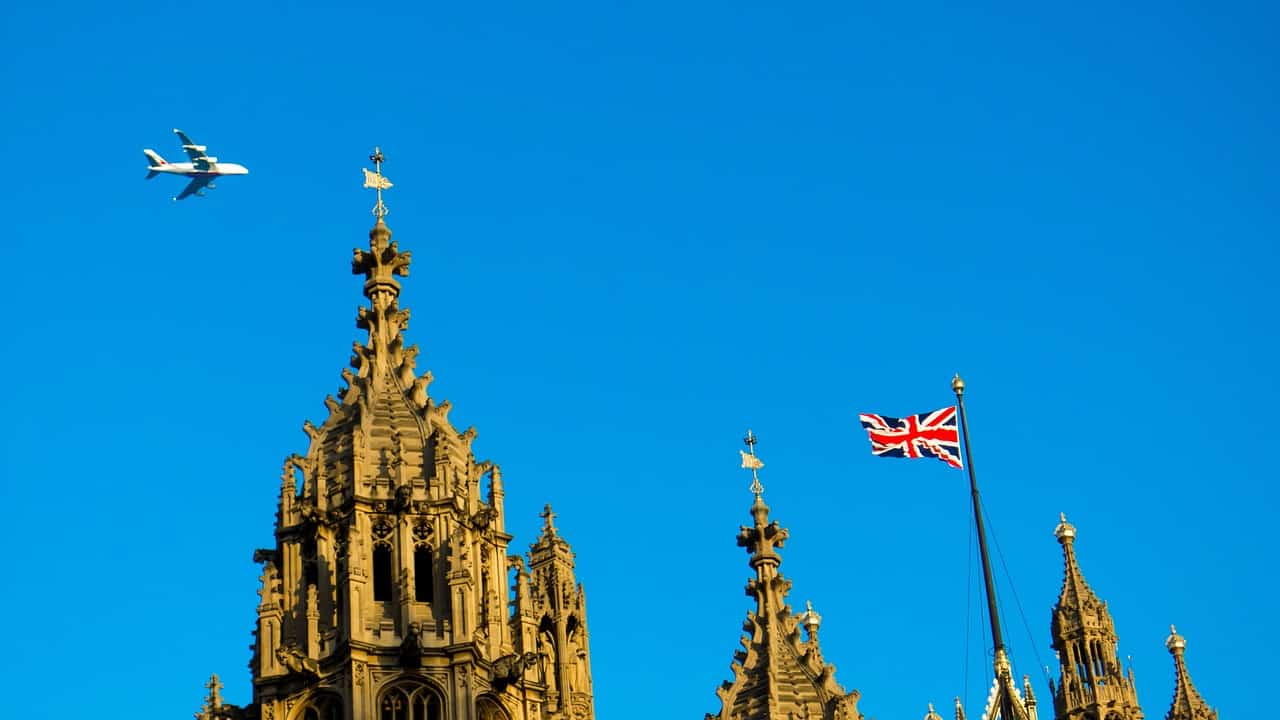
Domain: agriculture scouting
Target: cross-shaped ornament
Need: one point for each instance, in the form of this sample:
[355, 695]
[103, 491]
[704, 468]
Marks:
[548, 518]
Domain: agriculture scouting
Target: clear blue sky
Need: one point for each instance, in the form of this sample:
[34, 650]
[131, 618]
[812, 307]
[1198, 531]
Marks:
[639, 229]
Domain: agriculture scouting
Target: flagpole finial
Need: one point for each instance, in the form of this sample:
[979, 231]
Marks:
[957, 385]
[752, 463]
[377, 181]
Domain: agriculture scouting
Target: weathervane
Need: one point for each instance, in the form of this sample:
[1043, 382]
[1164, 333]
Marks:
[752, 463]
[377, 181]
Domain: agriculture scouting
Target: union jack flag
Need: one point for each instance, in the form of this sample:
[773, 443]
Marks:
[926, 435]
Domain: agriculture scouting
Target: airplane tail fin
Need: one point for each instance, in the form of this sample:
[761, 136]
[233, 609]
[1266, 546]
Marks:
[154, 158]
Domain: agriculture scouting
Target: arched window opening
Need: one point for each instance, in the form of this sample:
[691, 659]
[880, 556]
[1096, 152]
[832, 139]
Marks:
[410, 702]
[488, 708]
[424, 581]
[324, 707]
[381, 572]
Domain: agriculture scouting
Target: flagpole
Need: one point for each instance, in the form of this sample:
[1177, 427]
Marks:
[1006, 710]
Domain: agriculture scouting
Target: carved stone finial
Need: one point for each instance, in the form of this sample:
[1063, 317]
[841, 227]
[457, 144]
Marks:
[215, 692]
[548, 521]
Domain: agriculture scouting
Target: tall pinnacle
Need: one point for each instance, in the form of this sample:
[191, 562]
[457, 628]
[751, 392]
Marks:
[1091, 679]
[776, 676]
[1187, 703]
[383, 261]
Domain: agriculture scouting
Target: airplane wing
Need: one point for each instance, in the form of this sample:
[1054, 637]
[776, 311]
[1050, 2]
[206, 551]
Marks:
[199, 159]
[194, 187]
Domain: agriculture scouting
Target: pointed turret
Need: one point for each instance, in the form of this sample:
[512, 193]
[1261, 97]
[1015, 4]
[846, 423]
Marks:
[385, 591]
[1092, 683]
[551, 621]
[776, 676]
[1187, 703]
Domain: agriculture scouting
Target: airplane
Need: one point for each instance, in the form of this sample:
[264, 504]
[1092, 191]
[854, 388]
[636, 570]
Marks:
[202, 169]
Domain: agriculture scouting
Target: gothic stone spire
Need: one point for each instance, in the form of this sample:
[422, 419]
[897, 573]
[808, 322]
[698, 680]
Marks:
[385, 590]
[776, 676]
[1085, 639]
[551, 618]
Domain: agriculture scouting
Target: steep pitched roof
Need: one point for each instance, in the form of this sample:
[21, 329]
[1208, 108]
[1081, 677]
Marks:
[384, 420]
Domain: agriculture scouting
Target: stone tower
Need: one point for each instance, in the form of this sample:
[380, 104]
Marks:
[1187, 703]
[387, 595]
[776, 674]
[1091, 685]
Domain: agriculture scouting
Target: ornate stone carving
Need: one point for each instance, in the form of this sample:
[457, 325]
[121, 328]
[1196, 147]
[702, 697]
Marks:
[422, 531]
[411, 648]
[295, 660]
[508, 669]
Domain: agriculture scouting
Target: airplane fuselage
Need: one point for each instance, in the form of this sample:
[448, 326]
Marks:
[190, 170]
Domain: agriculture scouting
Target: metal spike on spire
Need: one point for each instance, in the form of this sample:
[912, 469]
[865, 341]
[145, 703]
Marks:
[377, 181]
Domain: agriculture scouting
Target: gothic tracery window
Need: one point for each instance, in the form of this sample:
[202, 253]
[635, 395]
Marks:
[410, 702]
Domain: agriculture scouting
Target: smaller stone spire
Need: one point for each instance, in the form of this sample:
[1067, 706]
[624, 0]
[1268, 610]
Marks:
[932, 715]
[1074, 588]
[213, 702]
[215, 691]
[775, 675]
[1187, 703]
[959, 707]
